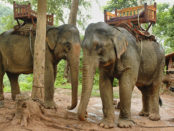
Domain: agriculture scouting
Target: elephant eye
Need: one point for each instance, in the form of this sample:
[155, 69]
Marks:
[67, 46]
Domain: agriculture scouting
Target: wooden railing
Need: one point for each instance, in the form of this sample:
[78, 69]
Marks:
[131, 12]
[25, 13]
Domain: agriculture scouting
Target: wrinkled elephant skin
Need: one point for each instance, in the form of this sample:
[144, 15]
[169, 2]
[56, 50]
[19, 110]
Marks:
[16, 57]
[117, 54]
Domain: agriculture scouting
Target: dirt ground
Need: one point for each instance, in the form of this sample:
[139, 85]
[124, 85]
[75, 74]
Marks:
[67, 120]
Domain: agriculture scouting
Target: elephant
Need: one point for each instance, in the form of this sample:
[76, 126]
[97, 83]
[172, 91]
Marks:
[118, 54]
[16, 57]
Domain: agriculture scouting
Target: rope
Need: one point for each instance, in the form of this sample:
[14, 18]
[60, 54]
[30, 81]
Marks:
[141, 48]
[30, 41]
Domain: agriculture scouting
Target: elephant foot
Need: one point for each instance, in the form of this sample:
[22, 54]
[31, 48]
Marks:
[83, 117]
[143, 113]
[50, 105]
[107, 123]
[13, 96]
[1, 97]
[154, 117]
[125, 123]
[1, 104]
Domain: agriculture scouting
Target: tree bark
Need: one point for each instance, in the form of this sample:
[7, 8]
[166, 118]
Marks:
[72, 20]
[39, 52]
[73, 13]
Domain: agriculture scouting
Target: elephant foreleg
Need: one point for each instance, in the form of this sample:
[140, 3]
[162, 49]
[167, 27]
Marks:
[106, 92]
[49, 86]
[14, 84]
[126, 85]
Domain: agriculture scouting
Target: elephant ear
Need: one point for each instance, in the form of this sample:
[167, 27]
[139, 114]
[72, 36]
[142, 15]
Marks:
[51, 38]
[120, 43]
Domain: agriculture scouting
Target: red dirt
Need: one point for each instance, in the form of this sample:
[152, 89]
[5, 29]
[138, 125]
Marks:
[67, 120]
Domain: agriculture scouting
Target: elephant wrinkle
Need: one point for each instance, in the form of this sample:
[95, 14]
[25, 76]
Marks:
[76, 47]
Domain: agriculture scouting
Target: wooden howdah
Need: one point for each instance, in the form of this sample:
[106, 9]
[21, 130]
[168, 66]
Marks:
[27, 15]
[131, 18]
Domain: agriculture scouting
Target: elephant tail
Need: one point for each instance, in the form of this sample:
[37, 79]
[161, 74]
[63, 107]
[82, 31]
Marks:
[160, 101]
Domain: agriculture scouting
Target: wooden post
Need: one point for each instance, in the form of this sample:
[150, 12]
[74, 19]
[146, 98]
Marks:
[52, 22]
[105, 16]
[146, 12]
[155, 11]
[29, 10]
[14, 9]
[115, 12]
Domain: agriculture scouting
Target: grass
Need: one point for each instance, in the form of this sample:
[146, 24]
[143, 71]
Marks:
[26, 85]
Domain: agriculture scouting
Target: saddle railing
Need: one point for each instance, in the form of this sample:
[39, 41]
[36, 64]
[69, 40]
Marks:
[131, 18]
[26, 14]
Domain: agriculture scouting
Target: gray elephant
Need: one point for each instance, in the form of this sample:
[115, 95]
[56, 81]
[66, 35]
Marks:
[16, 57]
[117, 54]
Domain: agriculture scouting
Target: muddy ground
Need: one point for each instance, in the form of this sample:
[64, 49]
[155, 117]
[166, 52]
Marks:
[67, 120]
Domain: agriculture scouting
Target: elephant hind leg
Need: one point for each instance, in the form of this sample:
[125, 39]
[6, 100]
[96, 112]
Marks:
[154, 103]
[14, 84]
[145, 101]
[150, 101]
[154, 94]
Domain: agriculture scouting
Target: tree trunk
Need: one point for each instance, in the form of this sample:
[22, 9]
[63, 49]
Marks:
[73, 13]
[39, 52]
[72, 20]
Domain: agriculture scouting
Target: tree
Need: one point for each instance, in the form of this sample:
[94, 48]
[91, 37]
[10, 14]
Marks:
[6, 18]
[39, 52]
[164, 28]
[120, 4]
[72, 20]
[73, 13]
[60, 8]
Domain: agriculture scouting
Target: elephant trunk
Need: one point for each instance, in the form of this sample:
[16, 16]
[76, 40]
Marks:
[87, 84]
[73, 61]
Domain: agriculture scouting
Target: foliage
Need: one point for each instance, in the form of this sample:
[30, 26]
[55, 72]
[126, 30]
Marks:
[6, 18]
[164, 28]
[61, 9]
[8, 23]
[25, 83]
[120, 4]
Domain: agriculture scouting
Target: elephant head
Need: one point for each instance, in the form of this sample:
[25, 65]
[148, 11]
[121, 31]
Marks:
[102, 46]
[64, 43]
